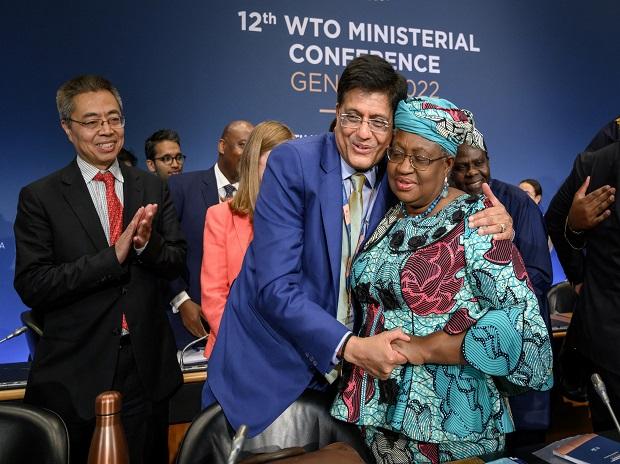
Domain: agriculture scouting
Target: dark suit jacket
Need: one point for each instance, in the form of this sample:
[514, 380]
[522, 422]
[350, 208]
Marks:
[192, 193]
[598, 265]
[68, 274]
[609, 133]
[279, 328]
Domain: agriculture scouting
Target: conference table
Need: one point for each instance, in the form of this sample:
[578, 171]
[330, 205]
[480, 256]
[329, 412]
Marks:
[13, 377]
[184, 404]
[559, 324]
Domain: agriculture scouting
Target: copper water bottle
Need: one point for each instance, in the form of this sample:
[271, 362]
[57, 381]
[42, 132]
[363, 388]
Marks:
[109, 444]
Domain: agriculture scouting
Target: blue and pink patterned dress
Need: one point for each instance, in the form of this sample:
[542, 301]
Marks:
[438, 274]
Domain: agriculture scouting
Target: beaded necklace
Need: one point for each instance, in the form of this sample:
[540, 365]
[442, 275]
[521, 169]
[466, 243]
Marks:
[422, 215]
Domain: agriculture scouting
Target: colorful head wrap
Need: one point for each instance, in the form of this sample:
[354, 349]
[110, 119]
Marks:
[439, 121]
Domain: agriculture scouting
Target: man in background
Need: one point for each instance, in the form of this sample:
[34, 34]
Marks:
[192, 193]
[584, 224]
[93, 239]
[163, 153]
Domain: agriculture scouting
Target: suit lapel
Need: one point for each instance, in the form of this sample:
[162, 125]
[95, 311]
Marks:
[78, 197]
[209, 188]
[384, 200]
[330, 197]
[133, 193]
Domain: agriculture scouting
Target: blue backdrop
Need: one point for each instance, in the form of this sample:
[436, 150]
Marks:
[541, 77]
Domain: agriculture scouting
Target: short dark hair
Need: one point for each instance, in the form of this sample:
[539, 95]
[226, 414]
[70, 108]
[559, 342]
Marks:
[78, 85]
[372, 74]
[159, 136]
[535, 184]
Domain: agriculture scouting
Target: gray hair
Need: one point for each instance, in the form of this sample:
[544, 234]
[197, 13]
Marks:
[78, 85]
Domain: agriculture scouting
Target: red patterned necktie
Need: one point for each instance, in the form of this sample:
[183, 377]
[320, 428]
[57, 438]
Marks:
[115, 214]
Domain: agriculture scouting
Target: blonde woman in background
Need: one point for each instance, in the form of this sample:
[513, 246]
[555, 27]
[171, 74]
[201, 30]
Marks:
[228, 226]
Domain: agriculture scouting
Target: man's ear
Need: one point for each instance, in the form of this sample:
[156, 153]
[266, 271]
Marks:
[67, 128]
[220, 146]
[150, 165]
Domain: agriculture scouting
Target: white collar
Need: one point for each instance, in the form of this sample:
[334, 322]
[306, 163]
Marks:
[221, 179]
[89, 171]
[347, 171]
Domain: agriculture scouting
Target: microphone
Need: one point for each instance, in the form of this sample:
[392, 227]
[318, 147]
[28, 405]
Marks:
[14, 334]
[599, 386]
[237, 444]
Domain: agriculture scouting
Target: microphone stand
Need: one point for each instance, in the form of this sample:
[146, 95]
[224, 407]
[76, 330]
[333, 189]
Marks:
[14, 334]
[600, 388]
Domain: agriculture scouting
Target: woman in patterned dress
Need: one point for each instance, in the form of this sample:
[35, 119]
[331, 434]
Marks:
[465, 299]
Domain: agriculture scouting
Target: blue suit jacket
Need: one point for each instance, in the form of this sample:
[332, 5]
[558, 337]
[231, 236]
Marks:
[192, 193]
[279, 327]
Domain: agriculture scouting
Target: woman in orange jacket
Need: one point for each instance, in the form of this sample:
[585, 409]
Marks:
[228, 225]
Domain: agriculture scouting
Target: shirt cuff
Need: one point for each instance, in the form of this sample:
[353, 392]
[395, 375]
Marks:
[140, 250]
[335, 359]
[178, 300]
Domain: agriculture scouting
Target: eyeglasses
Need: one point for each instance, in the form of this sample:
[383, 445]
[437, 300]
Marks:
[167, 159]
[418, 162]
[354, 121]
[115, 122]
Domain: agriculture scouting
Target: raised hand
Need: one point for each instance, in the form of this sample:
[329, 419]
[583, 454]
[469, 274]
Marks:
[124, 242]
[494, 219]
[589, 210]
[145, 225]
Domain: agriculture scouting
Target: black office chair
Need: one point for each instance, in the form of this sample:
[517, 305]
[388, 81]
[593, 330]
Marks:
[571, 379]
[34, 332]
[32, 434]
[562, 298]
[207, 440]
[307, 424]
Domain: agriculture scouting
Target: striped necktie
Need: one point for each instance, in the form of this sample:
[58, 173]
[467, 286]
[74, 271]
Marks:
[351, 229]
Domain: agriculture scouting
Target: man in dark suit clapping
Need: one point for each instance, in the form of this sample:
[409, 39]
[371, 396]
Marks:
[92, 241]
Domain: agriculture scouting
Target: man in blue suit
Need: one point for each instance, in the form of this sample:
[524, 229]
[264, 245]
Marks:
[280, 333]
[192, 193]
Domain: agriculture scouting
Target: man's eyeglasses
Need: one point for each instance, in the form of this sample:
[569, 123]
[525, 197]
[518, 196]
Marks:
[418, 162]
[354, 121]
[115, 122]
[168, 159]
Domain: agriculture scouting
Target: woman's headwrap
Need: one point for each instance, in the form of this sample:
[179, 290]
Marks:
[439, 121]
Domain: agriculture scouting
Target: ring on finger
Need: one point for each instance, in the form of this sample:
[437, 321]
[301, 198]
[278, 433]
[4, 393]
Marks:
[502, 228]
